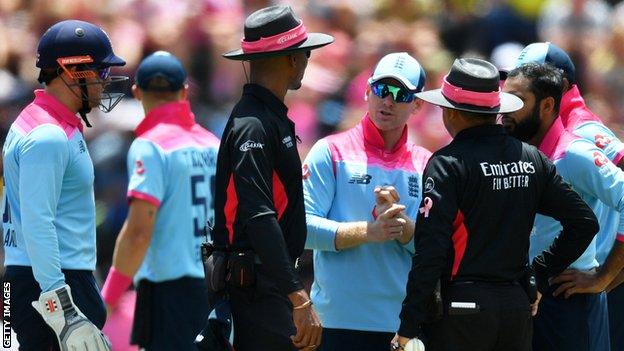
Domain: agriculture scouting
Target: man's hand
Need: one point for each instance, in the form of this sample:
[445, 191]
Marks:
[387, 226]
[306, 321]
[535, 304]
[73, 330]
[385, 196]
[616, 282]
[578, 282]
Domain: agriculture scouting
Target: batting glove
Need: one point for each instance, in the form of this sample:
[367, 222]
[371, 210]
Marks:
[73, 330]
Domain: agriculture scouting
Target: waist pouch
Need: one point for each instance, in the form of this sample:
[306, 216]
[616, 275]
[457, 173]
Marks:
[528, 282]
[215, 267]
[242, 269]
[141, 326]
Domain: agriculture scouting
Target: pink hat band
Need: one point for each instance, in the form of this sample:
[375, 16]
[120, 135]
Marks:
[462, 96]
[276, 42]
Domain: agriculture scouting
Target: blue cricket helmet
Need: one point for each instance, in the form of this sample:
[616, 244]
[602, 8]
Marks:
[74, 38]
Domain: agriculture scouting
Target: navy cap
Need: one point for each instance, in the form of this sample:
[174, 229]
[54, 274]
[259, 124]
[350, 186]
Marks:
[76, 38]
[548, 53]
[164, 65]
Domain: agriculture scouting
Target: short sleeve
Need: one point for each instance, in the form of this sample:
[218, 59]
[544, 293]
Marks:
[146, 169]
[595, 175]
[601, 136]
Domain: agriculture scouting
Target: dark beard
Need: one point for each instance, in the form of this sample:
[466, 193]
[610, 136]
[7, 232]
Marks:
[526, 129]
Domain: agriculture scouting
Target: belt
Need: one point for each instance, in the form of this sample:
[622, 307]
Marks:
[482, 282]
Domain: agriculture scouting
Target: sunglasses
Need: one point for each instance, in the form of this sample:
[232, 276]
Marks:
[399, 94]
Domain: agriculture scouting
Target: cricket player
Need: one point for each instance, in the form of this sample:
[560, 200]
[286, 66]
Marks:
[171, 166]
[49, 216]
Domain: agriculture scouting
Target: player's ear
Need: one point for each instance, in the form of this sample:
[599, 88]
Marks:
[417, 105]
[547, 106]
[184, 92]
[136, 92]
[292, 60]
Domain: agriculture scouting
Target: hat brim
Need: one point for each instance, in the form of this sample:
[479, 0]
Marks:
[406, 83]
[314, 41]
[508, 102]
[503, 73]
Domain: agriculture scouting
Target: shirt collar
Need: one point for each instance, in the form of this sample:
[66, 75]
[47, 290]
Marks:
[551, 139]
[372, 135]
[267, 97]
[57, 109]
[570, 100]
[480, 130]
[177, 112]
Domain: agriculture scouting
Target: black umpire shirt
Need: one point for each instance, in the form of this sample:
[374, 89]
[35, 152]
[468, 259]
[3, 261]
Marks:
[259, 191]
[480, 197]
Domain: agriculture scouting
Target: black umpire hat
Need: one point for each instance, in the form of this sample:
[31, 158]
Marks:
[275, 31]
[472, 85]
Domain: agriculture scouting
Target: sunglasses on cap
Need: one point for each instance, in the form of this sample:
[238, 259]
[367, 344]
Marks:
[399, 94]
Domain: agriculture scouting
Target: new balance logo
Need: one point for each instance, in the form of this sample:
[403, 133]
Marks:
[359, 178]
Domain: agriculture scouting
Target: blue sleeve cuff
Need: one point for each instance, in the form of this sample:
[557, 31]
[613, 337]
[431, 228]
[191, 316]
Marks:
[409, 246]
[321, 233]
[53, 286]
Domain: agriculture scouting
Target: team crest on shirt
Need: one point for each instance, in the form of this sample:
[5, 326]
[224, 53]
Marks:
[138, 167]
[250, 144]
[305, 171]
[600, 159]
[413, 186]
[602, 140]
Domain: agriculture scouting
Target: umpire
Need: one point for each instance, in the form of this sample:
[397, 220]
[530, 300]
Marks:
[259, 212]
[481, 194]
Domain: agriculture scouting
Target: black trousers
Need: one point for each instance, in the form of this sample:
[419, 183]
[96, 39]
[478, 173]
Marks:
[355, 340]
[615, 300]
[262, 316]
[500, 319]
[32, 332]
[172, 313]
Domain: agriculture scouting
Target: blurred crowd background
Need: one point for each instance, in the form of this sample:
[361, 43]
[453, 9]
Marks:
[331, 98]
